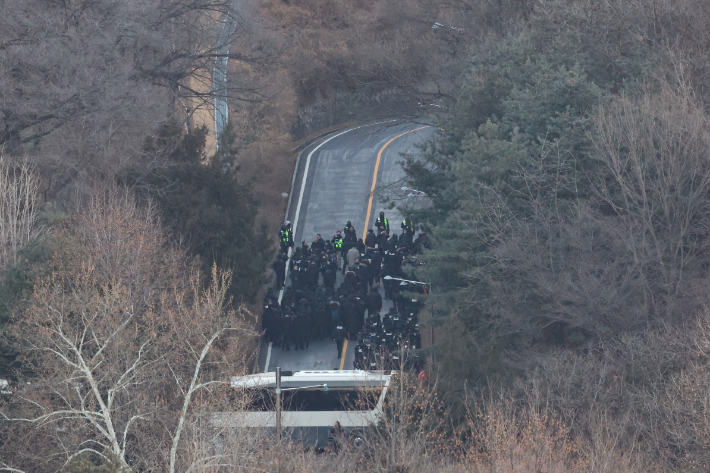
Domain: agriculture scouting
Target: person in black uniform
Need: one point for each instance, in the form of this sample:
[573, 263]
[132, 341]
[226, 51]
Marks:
[287, 328]
[328, 267]
[374, 301]
[376, 265]
[297, 261]
[269, 320]
[370, 239]
[349, 317]
[339, 337]
[349, 231]
[318, 244]
[382, 241]
[321, 320]
[392, 243]
[362, 272]
[279, 267]
[360, 245]
[350, 280]
[312, 274]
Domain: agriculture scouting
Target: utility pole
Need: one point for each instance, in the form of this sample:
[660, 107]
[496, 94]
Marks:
[278, 405]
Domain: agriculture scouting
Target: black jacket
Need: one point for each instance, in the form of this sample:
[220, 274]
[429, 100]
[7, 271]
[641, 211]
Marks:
[376, 262]
[339, 334]
[279, 266]
[374, 302]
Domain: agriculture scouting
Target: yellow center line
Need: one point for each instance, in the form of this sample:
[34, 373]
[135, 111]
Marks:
[374, 178]
[342, 356]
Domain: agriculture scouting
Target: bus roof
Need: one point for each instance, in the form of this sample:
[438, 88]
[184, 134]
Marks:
[300, 379]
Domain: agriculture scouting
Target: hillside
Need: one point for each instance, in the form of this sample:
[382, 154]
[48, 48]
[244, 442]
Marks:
[569, 189]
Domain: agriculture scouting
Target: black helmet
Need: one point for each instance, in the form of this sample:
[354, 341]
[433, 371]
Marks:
[349, 223]
[382, 213]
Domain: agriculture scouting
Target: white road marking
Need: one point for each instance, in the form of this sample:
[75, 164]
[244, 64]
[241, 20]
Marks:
[303, 190]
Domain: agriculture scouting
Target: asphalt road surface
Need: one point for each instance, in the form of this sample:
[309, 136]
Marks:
[333, 185]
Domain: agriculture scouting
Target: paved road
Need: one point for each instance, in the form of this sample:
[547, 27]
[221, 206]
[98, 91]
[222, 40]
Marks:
[340, 170]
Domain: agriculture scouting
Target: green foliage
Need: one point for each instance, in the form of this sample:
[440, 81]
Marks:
[517, 144]
[202, 201]
[555, 202]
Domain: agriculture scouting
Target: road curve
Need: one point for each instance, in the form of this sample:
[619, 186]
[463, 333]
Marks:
[332, 185]
[340, 177]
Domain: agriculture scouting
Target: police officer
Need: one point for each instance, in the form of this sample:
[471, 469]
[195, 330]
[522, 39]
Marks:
[376, 265]
[297, 262]
[312, 274]
[382, 224]
[374, 301]
[321, 320]
[287, 328]
[408, 225]
[338, 245]
[286, 237]
[392, 243]
[405, 239]
[362, 272]
[360, 245]
[328, 267]
[339, 337]
[350, 280]
[269, 319]
[279, 267]
[382, 241]
[349, 231]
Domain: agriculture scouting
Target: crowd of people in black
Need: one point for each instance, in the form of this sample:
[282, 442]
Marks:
[312, 308]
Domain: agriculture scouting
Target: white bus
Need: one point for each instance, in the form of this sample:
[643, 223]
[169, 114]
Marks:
[312, 402]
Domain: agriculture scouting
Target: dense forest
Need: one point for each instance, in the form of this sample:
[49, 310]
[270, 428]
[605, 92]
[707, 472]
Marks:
[569, 201]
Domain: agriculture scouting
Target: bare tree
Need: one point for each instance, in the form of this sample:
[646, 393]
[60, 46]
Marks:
[18, 208]
[122, 347]
[656, 152]
[83, 82]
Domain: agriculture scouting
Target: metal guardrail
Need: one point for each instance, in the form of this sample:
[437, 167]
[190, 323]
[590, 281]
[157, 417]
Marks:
[219, 76]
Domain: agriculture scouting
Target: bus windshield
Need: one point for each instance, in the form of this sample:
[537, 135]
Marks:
[264, 400]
